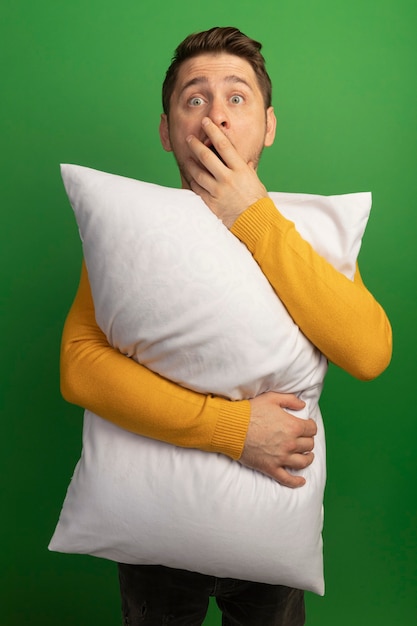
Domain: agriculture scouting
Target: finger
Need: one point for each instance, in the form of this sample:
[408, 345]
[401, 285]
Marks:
[309, 428]
[300, 461]
[200, 191]
[285, 400]
[222, 144]
[288, 480]
[304, 427]
[206, 157]
[303, 445]
[197, 189]
[292, 402]
[203, 178]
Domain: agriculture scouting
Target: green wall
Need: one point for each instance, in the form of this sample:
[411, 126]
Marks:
[80, 83]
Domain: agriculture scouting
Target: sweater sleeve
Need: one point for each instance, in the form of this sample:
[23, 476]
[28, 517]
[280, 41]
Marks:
[339, 316]
[98, 377]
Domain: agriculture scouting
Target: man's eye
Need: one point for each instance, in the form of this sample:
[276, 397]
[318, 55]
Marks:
[196, 102]
[236, 99]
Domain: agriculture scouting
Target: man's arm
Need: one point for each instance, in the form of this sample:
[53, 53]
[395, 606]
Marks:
[340, 317]
[98, 377]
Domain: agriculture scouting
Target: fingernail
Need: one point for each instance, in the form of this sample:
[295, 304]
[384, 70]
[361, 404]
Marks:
[205, 121]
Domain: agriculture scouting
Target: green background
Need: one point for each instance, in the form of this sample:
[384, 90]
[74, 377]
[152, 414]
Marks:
[80, 82]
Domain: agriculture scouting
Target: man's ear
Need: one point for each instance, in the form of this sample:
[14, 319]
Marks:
[164, 133]
[271, 126]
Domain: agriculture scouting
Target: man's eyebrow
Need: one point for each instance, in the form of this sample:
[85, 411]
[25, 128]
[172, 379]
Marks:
[238, 79]
[203, 80]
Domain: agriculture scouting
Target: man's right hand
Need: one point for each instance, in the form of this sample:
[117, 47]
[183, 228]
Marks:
[277, 441]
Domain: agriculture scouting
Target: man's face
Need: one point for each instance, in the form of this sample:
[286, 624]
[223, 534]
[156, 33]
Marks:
[224, 88]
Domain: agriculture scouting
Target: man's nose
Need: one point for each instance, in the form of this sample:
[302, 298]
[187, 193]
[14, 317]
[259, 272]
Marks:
[218, 114]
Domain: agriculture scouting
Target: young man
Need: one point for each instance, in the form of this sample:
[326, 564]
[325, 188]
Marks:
[217, 119]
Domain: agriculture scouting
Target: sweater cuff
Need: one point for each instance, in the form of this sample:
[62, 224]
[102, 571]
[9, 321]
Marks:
[232, 425]
[253, 223]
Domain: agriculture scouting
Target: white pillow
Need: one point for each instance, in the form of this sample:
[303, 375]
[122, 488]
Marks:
[174, 289]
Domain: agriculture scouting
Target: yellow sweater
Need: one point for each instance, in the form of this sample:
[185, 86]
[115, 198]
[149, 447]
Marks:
[339, 316]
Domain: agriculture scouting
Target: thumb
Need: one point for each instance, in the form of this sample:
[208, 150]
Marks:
[292, 402]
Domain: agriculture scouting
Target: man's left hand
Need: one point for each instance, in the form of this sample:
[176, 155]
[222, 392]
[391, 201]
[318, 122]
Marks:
[229, 187]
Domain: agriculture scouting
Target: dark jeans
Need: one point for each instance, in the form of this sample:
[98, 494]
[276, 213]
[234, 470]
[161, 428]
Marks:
[154, 595]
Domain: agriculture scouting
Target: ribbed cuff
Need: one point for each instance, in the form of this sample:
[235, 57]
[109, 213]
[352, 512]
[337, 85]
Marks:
[231, 428]
[253, 223]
